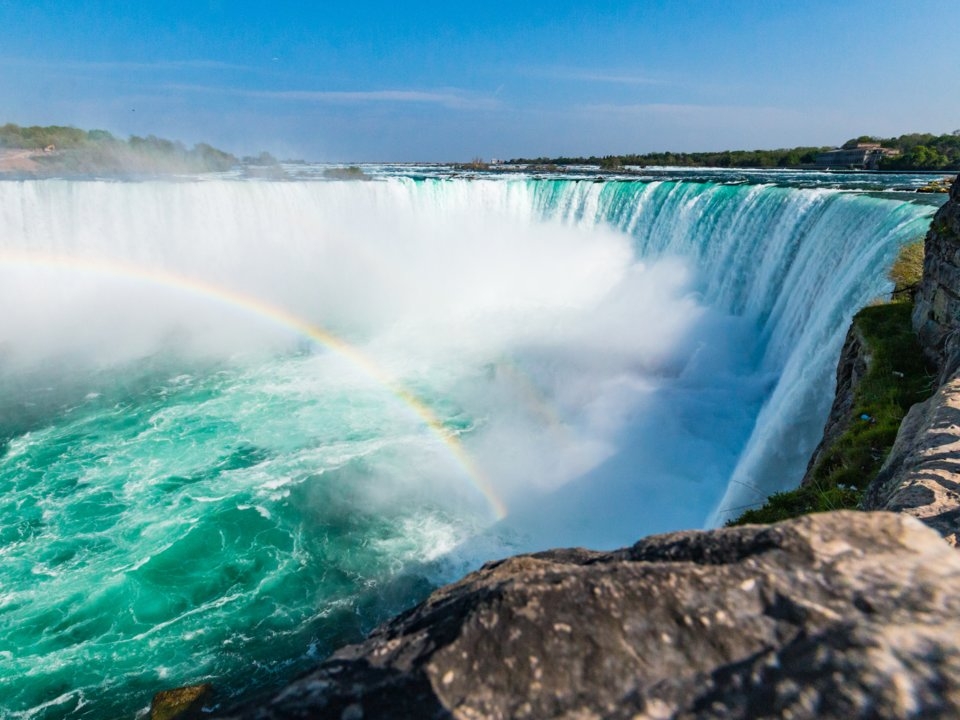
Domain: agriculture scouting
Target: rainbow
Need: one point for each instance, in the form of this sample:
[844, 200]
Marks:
[283, 318]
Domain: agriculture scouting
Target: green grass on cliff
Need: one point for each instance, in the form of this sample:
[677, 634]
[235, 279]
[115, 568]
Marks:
[897, 377]
[907, 271]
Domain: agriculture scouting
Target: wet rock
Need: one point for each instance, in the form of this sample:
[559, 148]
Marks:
[838, 615]
[183, 703]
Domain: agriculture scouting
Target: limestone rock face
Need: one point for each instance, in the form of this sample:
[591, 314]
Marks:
[839, 615]
[921, 476]
[936, 315]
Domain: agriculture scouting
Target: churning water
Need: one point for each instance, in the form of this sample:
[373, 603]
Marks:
[242, 422]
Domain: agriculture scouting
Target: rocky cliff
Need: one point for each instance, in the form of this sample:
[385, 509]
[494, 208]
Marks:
[936, 315]
[921, 477]
[839, 615]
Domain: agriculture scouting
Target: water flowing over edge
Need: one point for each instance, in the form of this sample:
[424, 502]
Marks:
[780, 269]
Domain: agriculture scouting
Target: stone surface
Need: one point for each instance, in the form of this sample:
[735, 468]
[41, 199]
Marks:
[921, 477]
[853, 365]
[183, 703]
[936, 315]
[839, 615]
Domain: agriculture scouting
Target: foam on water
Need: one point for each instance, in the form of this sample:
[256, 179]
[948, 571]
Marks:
[193, 491]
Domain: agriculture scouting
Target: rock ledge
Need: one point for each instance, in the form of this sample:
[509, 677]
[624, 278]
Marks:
[839, 615]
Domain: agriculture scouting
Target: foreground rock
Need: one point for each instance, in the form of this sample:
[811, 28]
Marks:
[840, 615]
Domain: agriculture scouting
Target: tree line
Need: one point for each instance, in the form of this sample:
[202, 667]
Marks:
[918, 151]
[91, 151]
[922, 151]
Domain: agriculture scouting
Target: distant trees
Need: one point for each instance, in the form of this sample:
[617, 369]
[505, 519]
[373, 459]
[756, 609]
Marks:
[863, 139]
[923, 156]
[212, 158]
[923, 151]
[265, 158]
[98, 151]
[918, 151]
[37, 138]
[728, 158]
[791, 159]
[352, 172]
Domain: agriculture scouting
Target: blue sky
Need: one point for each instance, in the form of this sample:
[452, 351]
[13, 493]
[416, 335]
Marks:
[452, 81]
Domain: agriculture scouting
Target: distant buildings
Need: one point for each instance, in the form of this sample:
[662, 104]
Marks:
[865, 156]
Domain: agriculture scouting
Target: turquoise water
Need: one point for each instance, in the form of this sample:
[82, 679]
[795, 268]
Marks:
[194, 485]
[194, 525]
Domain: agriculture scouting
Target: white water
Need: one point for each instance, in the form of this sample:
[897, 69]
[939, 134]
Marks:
[628, 357]
[180, 464]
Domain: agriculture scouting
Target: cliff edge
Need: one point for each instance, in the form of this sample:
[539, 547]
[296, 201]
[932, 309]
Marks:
[936, 315]
[921, 476]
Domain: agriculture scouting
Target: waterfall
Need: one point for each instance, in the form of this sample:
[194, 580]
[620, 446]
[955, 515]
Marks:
[241, 422]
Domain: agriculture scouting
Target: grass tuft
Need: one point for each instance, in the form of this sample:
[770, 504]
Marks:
[907, 270]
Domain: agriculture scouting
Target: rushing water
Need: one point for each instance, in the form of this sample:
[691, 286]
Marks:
[242, 422]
